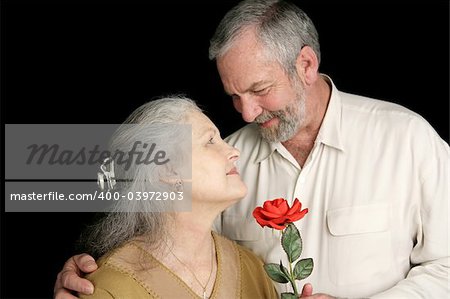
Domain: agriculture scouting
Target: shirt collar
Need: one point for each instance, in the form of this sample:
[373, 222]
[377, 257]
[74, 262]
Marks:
[329, 132]
[265, 149]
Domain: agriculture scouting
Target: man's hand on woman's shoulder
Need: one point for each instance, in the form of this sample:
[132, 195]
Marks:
[70, 280]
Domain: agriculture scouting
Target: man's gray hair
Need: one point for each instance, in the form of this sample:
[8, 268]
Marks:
[281, 27]
[155, 121]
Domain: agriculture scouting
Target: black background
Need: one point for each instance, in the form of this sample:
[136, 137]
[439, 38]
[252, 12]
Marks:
[95, 62]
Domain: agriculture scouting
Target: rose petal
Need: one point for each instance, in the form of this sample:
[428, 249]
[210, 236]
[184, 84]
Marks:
[284, 207]
[276, 226]
[277, 202]
[279, 220]
[268, 206]
[257, 212]
[298, 216]
[269, 215]
[262, 222]
[269, 223]
[258, 217]
[296, 206]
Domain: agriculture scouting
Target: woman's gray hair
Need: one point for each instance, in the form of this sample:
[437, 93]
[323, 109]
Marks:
[281, 27]
[156, 122]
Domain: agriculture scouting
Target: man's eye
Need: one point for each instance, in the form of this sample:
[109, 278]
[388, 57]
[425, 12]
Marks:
[261, 91]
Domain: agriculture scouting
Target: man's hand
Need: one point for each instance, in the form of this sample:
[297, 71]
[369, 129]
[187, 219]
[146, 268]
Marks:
[69, 279]
[307, 293]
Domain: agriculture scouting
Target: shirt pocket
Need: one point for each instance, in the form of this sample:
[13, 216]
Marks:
[360, 248]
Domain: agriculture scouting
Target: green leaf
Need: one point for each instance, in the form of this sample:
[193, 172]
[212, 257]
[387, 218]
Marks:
[292, 242]
[285, 270]
[288, 296]
[275, 273]
[303, 268]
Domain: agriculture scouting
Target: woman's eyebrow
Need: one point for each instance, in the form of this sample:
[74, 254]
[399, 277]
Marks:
[208, 131]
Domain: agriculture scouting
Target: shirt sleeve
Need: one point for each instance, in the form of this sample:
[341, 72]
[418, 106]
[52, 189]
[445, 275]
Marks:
[429, 274]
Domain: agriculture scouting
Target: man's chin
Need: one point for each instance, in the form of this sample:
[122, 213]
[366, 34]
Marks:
[273, 135]
[269, 134]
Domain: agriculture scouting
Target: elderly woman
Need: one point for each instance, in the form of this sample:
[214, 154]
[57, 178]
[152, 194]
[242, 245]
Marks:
[149, 253]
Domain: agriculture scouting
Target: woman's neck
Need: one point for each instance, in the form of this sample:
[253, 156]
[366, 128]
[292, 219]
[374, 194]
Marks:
[189, 251]
[190, 235]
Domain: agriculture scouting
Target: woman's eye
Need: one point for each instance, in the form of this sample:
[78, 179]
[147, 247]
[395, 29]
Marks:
[211, 140]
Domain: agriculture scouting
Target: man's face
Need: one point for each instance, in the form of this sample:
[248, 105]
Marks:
[289, 120]
[261, 90]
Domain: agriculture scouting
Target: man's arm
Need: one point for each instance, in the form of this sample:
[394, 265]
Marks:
[69, 279]
[429, 275]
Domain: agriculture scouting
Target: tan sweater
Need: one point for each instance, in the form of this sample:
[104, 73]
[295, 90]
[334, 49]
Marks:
[129, 272]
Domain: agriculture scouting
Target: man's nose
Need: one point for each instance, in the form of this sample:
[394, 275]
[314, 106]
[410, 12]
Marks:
[249, 109]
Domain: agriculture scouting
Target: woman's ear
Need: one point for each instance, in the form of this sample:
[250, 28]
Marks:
[307, 66]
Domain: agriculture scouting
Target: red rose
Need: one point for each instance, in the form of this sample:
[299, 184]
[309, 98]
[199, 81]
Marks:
[277, 214]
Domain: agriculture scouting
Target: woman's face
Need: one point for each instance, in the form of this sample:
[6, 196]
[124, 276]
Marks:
[214, 173]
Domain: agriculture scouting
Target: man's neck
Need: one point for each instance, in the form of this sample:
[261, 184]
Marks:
[317, 99]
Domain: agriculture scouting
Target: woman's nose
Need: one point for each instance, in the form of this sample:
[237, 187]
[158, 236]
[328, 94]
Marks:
[234, 153]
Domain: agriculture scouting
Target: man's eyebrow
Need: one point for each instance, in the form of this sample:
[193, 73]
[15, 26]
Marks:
[252, 87]
[257, 85]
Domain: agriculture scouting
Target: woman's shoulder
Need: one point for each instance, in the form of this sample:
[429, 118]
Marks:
[111, 282]
[254, 281]
[114, 279]
[245, 254]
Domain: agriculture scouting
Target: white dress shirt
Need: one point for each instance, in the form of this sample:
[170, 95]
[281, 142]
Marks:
[376, 184]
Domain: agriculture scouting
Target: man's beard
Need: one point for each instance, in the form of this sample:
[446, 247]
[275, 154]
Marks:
[290, 119]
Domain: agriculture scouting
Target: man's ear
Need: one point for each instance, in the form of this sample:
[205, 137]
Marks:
[307, 66]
